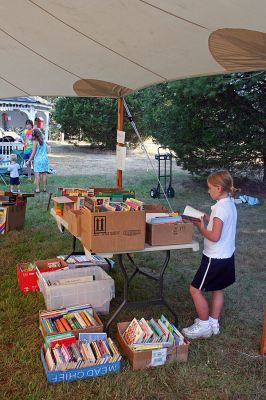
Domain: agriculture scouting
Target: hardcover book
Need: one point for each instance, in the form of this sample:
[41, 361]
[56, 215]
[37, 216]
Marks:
[191, 213]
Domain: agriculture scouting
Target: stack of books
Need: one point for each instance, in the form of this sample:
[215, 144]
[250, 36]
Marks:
[103, 204]
[153, 334]
[64, 352]
[68, 319]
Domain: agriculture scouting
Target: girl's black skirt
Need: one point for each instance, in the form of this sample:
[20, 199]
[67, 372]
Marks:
[214, 273]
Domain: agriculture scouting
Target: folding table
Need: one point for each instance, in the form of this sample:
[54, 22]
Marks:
[160, 300]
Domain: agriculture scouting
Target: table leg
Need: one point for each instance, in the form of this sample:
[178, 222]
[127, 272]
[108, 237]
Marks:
[74, 252]
[127, 279]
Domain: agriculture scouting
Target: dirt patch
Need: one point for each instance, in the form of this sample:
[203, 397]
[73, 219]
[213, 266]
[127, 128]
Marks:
[68, 160]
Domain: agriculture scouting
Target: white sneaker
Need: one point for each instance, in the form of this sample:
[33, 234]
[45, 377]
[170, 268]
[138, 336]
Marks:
[196, 331]
[215, 327]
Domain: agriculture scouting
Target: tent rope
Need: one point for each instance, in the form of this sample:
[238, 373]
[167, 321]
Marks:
[132, 122]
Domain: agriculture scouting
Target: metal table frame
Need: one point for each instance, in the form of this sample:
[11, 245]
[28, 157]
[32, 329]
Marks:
[160, 300]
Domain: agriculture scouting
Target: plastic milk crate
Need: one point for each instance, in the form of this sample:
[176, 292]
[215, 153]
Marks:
[98, 292]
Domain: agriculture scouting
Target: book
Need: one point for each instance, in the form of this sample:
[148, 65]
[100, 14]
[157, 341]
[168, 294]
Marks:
[133, 333]
[71, 281]
[191, 213]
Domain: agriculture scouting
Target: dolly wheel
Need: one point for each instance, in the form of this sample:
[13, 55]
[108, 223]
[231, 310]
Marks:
[154, 193]
[170, 192]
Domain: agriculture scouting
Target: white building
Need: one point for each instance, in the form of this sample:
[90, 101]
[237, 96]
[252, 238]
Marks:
[14, 111]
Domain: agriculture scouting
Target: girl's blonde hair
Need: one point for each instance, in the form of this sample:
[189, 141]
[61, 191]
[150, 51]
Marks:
[224, 179]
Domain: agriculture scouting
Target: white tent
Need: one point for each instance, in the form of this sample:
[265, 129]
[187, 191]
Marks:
[114, 47]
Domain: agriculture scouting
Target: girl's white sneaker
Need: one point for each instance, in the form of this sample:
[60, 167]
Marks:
[215, 327]
[196, 331]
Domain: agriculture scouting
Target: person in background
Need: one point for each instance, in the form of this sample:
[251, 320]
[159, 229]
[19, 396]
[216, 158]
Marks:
[26, 136]
[217, 269]
[13, 169]
[40, 160]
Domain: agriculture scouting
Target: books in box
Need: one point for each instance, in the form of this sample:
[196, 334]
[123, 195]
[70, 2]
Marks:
[78, 319]
[64, 358]
[146, 358]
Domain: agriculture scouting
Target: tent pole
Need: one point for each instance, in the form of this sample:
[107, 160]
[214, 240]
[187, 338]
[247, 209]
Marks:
[120, 126]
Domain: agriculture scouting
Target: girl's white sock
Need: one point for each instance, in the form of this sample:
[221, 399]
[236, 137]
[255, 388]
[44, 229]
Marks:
[204, 324]
[213, 321]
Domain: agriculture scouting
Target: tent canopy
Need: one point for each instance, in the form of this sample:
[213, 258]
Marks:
[113, 47]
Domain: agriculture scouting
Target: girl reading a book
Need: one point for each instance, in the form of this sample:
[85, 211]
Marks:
[217, 268]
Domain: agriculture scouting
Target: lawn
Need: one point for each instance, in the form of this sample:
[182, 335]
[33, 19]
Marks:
[224, 367]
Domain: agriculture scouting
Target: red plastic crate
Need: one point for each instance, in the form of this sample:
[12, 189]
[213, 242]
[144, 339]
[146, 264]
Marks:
[28, 280]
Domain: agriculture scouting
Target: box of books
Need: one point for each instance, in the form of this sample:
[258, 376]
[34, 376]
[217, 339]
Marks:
[82, 261]
[65, 358]
[150, 343]
[78, 319]
[166, 231]
[62, 205]
[112, 231]
[73, 219]
[154, 208]
[27, 272]
[73, 287]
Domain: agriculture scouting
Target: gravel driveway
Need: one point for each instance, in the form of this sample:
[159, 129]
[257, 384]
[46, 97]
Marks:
[68, 159]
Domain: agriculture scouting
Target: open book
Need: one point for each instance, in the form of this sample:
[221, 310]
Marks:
[191, 213]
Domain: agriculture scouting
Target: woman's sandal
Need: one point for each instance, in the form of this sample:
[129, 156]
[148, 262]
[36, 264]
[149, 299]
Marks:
[36, 191]
[44, 190]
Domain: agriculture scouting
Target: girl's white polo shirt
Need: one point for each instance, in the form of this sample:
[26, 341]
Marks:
[225, 210]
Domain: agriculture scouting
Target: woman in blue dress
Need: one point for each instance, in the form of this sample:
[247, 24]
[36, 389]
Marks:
[40, 159]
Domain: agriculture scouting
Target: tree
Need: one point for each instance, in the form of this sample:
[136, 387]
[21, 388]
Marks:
[210, 122]
[90, 119]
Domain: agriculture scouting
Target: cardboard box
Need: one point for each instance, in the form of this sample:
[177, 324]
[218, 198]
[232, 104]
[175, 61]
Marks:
[150, 358]
[89, 329]
[28, 280]
[15, 217]
[73, 219]
[164, 234]
[62, 205]
[82, 373]
[108, 232]
[49, 264]
[154, 208]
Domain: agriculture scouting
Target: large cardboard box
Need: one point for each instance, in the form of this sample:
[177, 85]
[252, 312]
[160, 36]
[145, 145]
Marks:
[166, 234]
[15, 217]
[108, 232]
[73, 219]
[150, 358]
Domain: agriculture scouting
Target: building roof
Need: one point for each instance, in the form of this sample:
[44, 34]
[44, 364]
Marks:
[31, 100]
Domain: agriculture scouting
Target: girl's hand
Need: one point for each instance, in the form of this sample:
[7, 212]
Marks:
[206, 217]
[199, 224]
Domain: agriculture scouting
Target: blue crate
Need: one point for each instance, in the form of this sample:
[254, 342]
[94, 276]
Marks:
[81, 373]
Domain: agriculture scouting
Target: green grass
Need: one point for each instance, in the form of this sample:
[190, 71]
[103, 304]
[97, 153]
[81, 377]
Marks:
[224, 367]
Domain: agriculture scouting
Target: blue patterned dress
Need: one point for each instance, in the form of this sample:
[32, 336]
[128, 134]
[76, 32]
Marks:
[40, 161]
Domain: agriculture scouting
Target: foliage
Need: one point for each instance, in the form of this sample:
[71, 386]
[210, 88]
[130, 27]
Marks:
[90, 119]
[210, 122]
